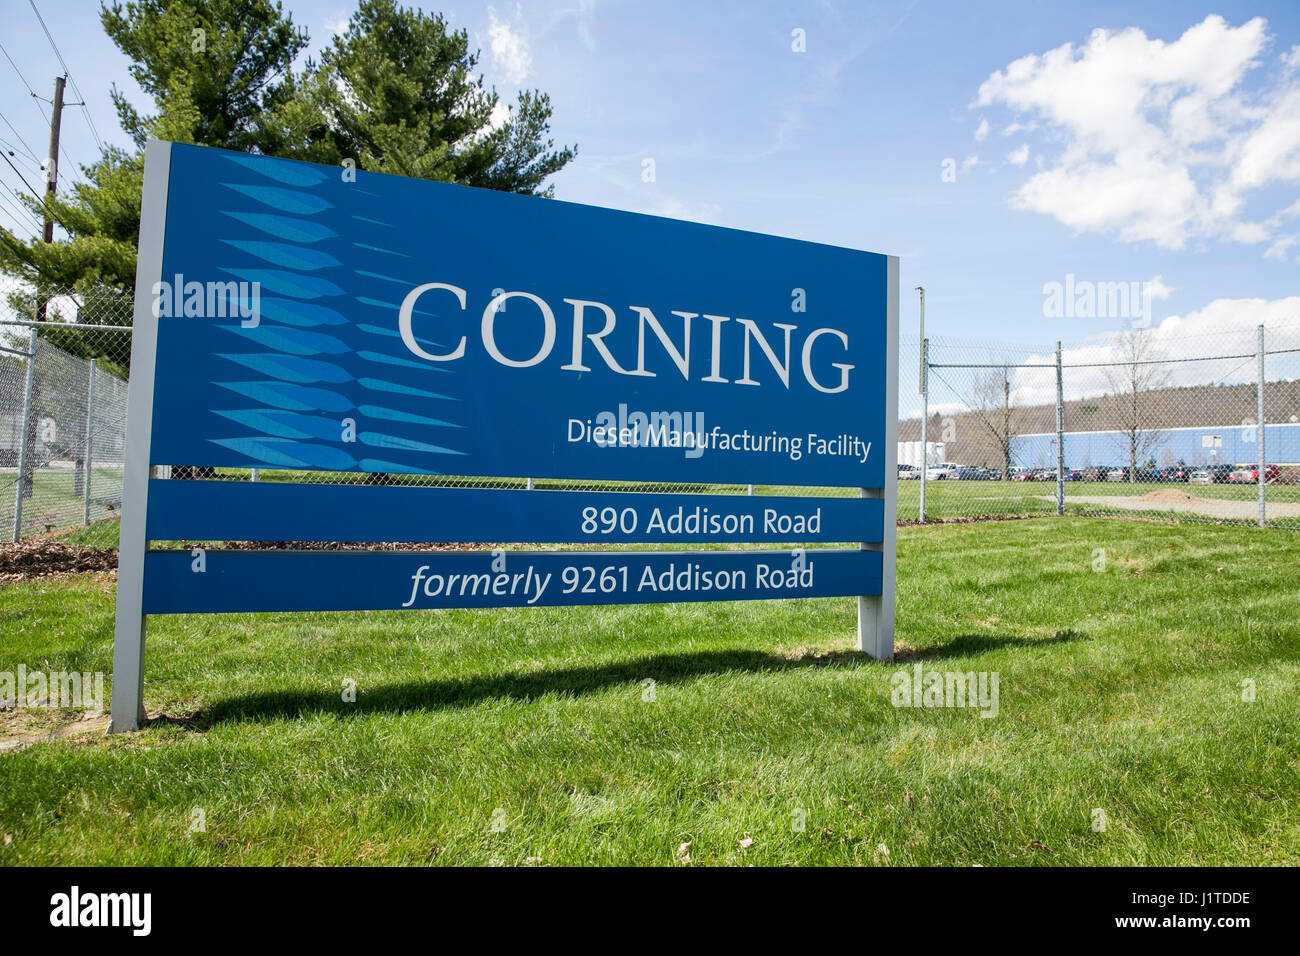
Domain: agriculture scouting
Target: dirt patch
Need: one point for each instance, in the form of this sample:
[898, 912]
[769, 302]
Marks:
[1169, 496]
[19, 728]
[1180, 502]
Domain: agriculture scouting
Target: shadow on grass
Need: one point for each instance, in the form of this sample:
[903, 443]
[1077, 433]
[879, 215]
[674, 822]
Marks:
[569, 681]
[969, 644]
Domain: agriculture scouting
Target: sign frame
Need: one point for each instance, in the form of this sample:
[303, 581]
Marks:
[876, 612]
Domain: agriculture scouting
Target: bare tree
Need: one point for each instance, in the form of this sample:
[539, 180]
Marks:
[1133, 381]
[994, 409]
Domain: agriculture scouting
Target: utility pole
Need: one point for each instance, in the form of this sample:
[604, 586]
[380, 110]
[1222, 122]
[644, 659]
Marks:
[51, 177]
[27, 470]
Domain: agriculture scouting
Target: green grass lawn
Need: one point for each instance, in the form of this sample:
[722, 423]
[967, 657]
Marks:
[54, 504]
[523, 735]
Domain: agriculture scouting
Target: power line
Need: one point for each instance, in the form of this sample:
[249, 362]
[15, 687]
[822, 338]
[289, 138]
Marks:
[21, 176]
[15, 219]
[30, 151]
[9, 148]
[16, 70]
[48, 211]
[68, 73]
[13, 212]
[11, 204]
[37, 100]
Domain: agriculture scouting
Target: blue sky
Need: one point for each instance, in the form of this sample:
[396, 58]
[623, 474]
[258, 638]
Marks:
[1167, 147]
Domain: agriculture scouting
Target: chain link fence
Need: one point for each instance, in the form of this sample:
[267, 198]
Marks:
[63, 387]
[1147, 423]
[1141, 423]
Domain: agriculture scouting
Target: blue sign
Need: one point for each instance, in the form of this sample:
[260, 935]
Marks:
[365, 581]
[306, 318]
[311, 317]
[279, 511]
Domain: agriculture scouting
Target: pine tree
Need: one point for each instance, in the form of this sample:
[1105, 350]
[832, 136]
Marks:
[214, 68]
[395, 93]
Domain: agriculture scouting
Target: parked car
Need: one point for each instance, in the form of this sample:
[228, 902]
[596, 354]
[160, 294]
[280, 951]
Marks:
[1022, 474]
[944, 469]
[1174, 473]
[909, 473]
[1117, 474]
[1210, 475]
[971, 473]
[1249, 474]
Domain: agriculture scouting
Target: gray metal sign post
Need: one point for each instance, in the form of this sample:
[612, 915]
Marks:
[876, 614]
[127, 709]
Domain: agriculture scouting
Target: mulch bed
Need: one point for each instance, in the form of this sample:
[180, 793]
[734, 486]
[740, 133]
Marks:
[35, 558]
[913, 523]
[39, 557]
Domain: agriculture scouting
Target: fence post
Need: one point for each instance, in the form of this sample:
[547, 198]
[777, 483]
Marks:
[925, 420]
[24, 451]
[1259, 417]
[1060, 434]
[90, 418]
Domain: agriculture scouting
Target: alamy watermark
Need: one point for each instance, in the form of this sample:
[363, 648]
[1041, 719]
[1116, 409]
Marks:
[953, 689]
[1084, 299]
[208, 300]
[128, 910]
[637, 429]
[24, 688]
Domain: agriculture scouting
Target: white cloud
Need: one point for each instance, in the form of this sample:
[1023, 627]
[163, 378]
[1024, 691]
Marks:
[499, 117]
[969, 162]
[673, 208]
[982, 131]
[1020, 156]
[1278, 249]
[337, 25]
[1156, 288]
[509, 47]
[585, 34]
[1162, 141]
[1227, 327]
